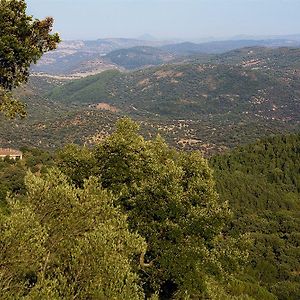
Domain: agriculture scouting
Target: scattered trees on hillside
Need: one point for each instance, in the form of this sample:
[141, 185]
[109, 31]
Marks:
[23, 40]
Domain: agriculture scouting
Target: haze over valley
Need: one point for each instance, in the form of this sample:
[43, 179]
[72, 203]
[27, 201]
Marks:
[150, 150]
[210, 96]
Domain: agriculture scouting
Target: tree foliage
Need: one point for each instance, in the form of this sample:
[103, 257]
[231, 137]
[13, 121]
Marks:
[193, 246]
[262, 183]
[170, 200]
[63, 242]
[12, 172]
[23, 40]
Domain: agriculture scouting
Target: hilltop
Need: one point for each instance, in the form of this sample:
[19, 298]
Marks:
[84, 58]
[138, 57]
[206, 102]
[217, 47]
[257, 82]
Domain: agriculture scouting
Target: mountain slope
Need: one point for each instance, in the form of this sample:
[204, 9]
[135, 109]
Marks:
[218, 47]
[261, 57]
[192, 90]
[262, 184]
[92, 89]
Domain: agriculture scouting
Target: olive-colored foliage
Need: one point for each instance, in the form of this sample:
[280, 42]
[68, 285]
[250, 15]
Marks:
[76, 162]
[63, 242]
[23, 40]
[11, 180]
[170, 200]
[12, 172]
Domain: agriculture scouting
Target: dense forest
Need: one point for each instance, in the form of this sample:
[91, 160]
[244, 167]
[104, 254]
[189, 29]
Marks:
[262, 184]
[174, 218]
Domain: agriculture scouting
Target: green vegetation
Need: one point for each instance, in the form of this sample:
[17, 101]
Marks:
[171, 235]
[170, 201]
[190, 91]
[61, 242]
[133, 218]
[262, 184]
[276, 59]
[139, 57]
[81, 244]
[93, 89]
[23, 40]
[232, 99]
[12, 172]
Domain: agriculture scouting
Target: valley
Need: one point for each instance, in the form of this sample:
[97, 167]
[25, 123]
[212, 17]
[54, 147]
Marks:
[162, 167]
[208, 102]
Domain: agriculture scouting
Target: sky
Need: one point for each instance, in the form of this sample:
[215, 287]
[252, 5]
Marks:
[169, 19]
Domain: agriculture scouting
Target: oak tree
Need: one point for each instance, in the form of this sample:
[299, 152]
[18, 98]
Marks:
[23, 40]
[171, 201]
[62, 242]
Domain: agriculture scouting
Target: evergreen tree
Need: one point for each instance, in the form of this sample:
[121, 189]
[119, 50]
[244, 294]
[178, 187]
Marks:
[23, 40]
[171, 201]
[63, 242]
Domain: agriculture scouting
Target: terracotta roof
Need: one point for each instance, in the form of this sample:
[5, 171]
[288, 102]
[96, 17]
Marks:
[9, 152]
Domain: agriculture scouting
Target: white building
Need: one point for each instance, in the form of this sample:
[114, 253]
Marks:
[11, 153]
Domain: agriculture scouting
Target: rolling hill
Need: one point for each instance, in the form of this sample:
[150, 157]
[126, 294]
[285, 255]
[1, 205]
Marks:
[209, 103]
[233, 98]
[265, 84]
[82, 58]
[217, 47]
[139, 57]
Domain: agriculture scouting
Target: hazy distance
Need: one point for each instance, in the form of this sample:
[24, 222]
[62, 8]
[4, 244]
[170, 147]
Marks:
[169, 19]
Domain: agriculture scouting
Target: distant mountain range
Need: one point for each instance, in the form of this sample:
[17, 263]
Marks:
[218, 47]
[83, 58]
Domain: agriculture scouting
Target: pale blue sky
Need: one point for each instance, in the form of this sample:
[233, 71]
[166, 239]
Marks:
[184, 19]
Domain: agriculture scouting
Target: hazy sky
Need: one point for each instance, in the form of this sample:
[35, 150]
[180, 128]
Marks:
[184, 19]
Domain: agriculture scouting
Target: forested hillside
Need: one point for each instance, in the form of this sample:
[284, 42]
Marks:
[138, 57]
[259, 82]
[262, 184]
[232, 99]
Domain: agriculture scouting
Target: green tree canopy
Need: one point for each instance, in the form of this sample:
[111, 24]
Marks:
[23, 40]
[63, 242]
[170, 200]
